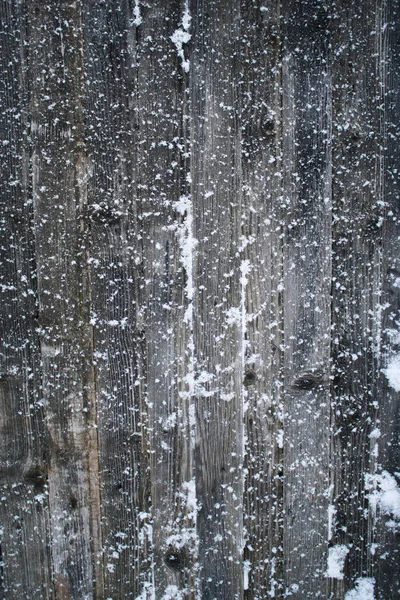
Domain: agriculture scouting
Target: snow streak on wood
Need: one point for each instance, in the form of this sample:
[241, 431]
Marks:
[199, 275]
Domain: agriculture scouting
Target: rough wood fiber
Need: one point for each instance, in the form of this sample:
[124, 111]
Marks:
[24, 515]
[385, 561]
[164, 229]
[111, 139]
[199, 280]
[59, 170]
[306, 122]
[261, 243]
[219, 296]
[358, 197]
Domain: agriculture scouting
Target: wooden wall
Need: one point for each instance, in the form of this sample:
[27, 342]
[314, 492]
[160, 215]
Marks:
[200, 295]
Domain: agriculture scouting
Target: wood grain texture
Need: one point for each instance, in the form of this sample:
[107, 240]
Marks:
[199, 241]
[357, 151]
[306, 282]
[24, 512]
[262, 247]
[219, 301]
[59, 165]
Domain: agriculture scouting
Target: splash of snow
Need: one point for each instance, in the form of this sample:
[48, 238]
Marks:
[364, 589]
[392, 372]
[246, 572]
[136, 13]
[172, 592]
[336, 559]
[182, 36]
[384, 493]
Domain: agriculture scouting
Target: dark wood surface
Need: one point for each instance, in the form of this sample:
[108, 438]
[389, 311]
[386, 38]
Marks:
[200, 294]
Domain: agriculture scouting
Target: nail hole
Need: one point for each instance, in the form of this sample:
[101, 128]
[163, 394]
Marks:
[250, 378]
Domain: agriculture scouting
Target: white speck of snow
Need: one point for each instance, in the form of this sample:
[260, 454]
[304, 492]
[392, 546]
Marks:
[147, 592]
[373, 549]
[186, 18]
[172, 592]
[234, 316]
[336, 558]
[182, 36]
[137, 20]
[331, 519]
[384, 493]
[375, 434]
[392, 372]
[246, 571]
[279, 438]
[364, 589]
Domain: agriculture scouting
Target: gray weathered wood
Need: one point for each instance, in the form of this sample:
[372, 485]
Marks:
[261, 239]
[306, 290]
[200, 291]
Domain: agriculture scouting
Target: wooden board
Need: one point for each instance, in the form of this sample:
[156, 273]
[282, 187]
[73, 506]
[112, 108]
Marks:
[200, 290]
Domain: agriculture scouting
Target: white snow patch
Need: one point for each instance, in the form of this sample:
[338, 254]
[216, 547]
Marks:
[191, 501]
[147, 593]
[199, 388]
[392, 372]
[331, 519]
[182, 36]
[172, 592]
[279, 438]
[187, 244]
[186, 18]
[246, 571]
[384, 493]
[364, 589]
[234, 316]
[336, 559]
[137, 18]
[375, 434]
[50, 351]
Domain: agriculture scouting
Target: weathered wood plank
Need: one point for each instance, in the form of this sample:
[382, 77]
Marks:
[165, 294]
[306, 122]
[219, 296]
[385, 442]
[261, 240]
[357, 149]
[59, 173]
[111, 140]
[25, 565]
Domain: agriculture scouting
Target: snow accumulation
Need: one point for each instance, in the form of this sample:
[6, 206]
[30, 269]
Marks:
[364, 589]
[172, 593]
[336, 558]
[182, 36]
[136, 13]
[392, 372]
[384, 493]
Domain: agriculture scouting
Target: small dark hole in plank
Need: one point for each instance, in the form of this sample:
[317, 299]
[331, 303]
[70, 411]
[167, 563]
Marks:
[73, 501]
[175, 560]
[307, 380]
[36, 477]
[250, 377]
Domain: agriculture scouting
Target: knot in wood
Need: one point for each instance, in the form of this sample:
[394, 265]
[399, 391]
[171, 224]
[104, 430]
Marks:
[175, 559]
[308, 380]
[250, 377]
